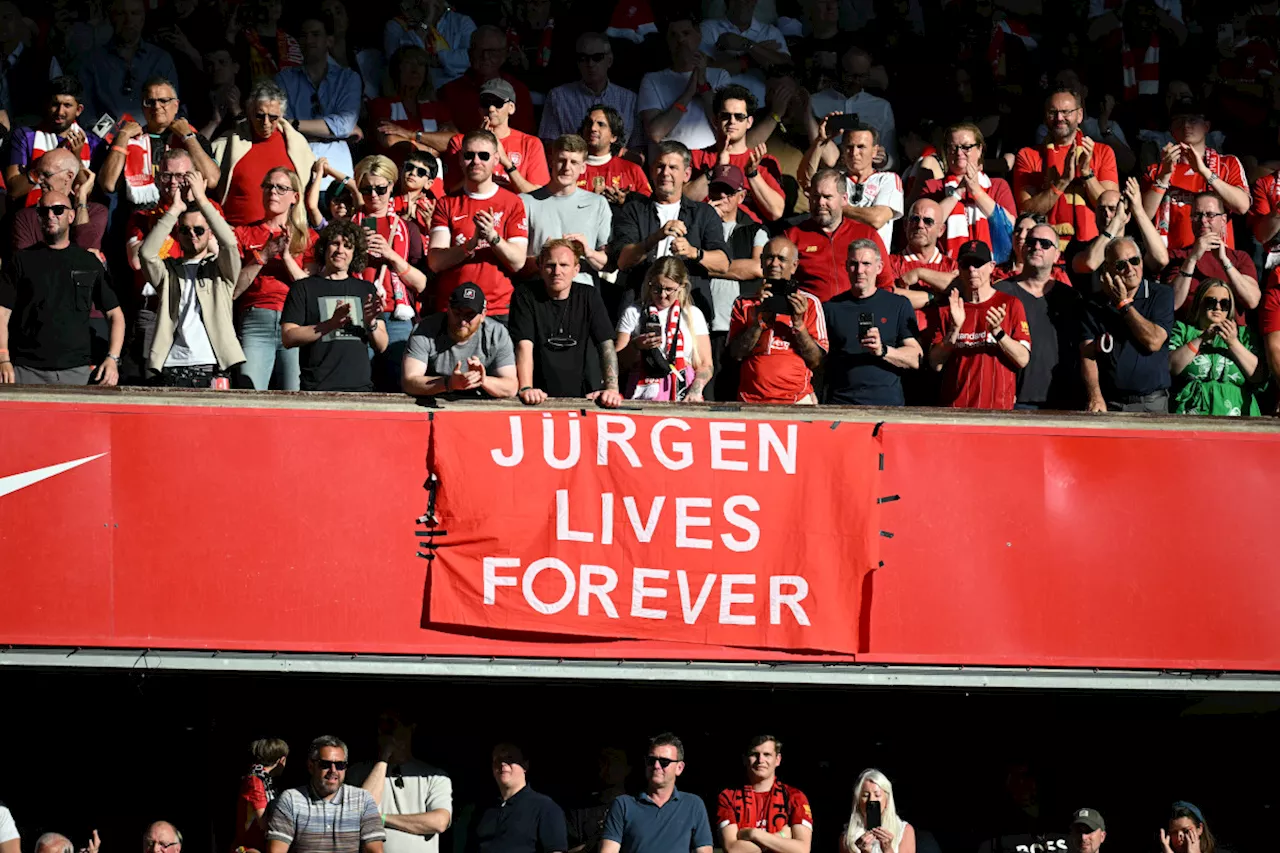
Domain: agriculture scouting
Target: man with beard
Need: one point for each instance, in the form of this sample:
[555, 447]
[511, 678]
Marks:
[460, 353]
[325, 815]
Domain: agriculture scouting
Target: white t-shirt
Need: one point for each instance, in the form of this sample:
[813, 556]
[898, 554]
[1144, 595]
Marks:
[882, 189]
[692, 323]
[424, 789]
[725, 291]
[752, 79]
[191, 345]
[8, 829]
[666, 213]
[660, 89]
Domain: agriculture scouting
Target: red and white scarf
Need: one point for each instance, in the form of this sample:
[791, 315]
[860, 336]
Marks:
[1141, 77]
[967, 221]
[267, 62]
[43, 142]
[139, 177]
[662, 387]
[392, 293]
[421, 210]
[1177, 194]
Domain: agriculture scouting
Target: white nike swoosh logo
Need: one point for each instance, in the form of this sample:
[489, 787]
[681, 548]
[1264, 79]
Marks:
[456, 218]
[13, 482]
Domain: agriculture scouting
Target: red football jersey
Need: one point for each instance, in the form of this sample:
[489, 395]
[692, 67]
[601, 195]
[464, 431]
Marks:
[526, 153]
[454, 217]
[1173, 216]
[618, 173]
[774, 372]
[773, 810]
[976, 376]
[822, 260]
[1269, 310]
[271, 287]
[899, 264]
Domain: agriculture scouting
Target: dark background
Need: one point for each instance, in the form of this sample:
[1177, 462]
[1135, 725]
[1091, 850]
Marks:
[116, 750]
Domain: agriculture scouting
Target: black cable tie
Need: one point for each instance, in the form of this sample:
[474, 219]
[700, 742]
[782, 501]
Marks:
[582, 412]
[881, 461]
[431, 416]
[431, 533]
[876, 430]
[886, 534]
[888, 499]
[881, 566]
[834, 424]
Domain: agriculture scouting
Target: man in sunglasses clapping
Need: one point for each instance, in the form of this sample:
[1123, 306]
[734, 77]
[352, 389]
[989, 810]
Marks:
[326, 815]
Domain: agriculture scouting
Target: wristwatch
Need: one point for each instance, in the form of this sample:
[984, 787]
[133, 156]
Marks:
[998, 335]
[951, 192]
[700, 255]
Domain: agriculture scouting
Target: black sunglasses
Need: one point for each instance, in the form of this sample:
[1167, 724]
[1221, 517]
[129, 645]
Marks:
[382, 190]
[1135, 261]
[316, 107]
[55, 209]
[592, 57]
[490, 102]
[913, 219]
[419, 171]
[659, 760]
[192, 230]
[126, 85]
[484, 156]
[325, 764]
[1219, 304]
[738, 117]
[1042, 242]
[969, 264]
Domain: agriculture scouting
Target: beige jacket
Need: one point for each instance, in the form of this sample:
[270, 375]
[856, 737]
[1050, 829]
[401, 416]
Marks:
[215, 289]
[229, 148]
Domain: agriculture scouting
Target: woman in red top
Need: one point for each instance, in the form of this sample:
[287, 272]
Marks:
[410, 113]
[276, 251]
[395, 252]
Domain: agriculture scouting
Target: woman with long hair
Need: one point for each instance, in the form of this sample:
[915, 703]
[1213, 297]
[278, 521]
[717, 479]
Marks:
[276, 252]
[891, 835]
[1214, 361]
[1188, 832]
[408, 112]
[974, 205]
[663, 343]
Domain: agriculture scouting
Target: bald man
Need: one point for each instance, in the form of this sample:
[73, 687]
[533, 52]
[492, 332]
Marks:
[60, 171]
[46, 293]
[162, 837]
[779, 335]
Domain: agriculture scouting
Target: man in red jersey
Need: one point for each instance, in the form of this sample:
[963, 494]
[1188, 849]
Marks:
[823, 240]
[481, 234]
[983, 339]
[462, 96]
[522, 161]
[923, 273]
[764, 813]
[607, 174]
[731, 117]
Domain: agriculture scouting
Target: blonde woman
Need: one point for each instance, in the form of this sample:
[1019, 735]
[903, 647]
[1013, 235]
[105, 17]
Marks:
[663, 343]
[275, 252]
[892, 834]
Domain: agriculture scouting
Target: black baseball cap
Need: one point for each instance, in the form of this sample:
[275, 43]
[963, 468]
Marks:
[467, 295]
[1187, 108]
[975, 252]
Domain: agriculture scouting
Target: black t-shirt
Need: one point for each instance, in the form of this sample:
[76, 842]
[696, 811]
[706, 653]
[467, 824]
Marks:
[856, 376]
[1124, 368]
[566, 335]
[50, 292]
[527, 822]
[1052, 377]
[339, 361]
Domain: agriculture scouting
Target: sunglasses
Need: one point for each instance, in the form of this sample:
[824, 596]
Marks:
[483, 156]
[659, 760]
[379, 190]
[1217, 305]
[1041, 242]
[417, 171]
[126, 85]
[316, 107]
[192, 230]
[491, 103]
[152, 103]
[592, 57]
[1200, 216]
[1119, 264]
[916, 220]
[738, 117]
[278, 188]
[325, 764]
[969, 264]
[267, 117]
[55, 209]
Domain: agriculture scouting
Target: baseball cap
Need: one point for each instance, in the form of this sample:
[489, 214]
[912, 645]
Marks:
[1089, 818]
[729, 176]
[467, 295]
[501, 88]
[1186, 107]
[975, 251]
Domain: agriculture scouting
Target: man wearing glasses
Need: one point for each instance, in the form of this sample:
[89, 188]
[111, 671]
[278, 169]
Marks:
[325, 815]
[662, 819]
[523, 821]
[521, 163]
[162, 837]
[462, 96]
[732, 111]
[1210, 257]
[568, 105]
[1124, 362]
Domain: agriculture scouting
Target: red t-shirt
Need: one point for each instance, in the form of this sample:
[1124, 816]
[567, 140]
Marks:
[428, 115]
[1266, 200]
[253, 796]
[822, 270]
[618, 173]
[1269, 310]
[900, 264]
[774, 372]
[1206, 268]
[526, 153]
[1071, 215]
[271, 287]
[772, 810]
[1184, 184]
[453, 216]
[462, 98]
[769, 168]
[243, 203]
[976, 376]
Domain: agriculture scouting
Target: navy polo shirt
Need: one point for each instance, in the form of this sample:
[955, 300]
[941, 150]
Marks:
[640, 826]
[526, 822]
[1125, 368]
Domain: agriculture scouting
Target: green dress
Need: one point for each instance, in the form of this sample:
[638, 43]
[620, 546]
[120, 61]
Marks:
[1212, 384]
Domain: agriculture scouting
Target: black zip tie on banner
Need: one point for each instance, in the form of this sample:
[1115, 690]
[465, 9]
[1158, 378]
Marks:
[427, 549]
[875, 431]
[888, 499]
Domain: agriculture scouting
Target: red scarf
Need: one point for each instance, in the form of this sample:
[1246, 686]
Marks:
[420, 215]
[967, 221]
[264, 63]
[674, 333]
[1141, 76]
[1183, 194]
[43, 142]
[779, 808]
[392, 294]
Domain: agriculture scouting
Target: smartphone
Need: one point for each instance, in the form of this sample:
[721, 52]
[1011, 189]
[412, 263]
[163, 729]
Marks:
[779, 299]
[370, 224]
[839, 124]
[873, 806]
[865, 322]
[653, 325]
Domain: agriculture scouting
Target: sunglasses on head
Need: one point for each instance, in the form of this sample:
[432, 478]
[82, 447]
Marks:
[192, 230]
[1120, 263]
[659, 760]
[483, 156]
[379, 190]
[738, 117]
[55, 209]
[325, 764]
[914, 219]
[1041, 242]
[1217, 305]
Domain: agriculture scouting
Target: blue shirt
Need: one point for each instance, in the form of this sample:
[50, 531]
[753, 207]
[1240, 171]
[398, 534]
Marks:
[1124, 367]
[114, 86]
[338, 99]
[640, 826]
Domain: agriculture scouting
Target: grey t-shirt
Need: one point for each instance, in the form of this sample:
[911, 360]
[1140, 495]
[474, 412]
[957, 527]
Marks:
[430, 343]
[552, 216]
[724, 292]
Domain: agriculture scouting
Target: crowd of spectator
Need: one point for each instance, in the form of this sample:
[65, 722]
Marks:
[995, 204]
[401, 804]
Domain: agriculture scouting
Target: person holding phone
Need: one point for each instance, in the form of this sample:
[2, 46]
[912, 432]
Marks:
[663, 341]
[1214, 361]
[874, 825]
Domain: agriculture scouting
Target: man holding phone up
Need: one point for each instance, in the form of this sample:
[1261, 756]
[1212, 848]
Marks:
[779, 335]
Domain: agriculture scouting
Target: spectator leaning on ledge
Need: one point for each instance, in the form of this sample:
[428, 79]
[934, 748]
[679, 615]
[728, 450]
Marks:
[325, 816]
[460, 352]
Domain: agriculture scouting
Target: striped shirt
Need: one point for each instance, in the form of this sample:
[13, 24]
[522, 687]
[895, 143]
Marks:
[309, 824]
[567, 106]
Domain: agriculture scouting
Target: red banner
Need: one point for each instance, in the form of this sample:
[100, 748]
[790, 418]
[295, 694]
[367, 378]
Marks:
[729, 532]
